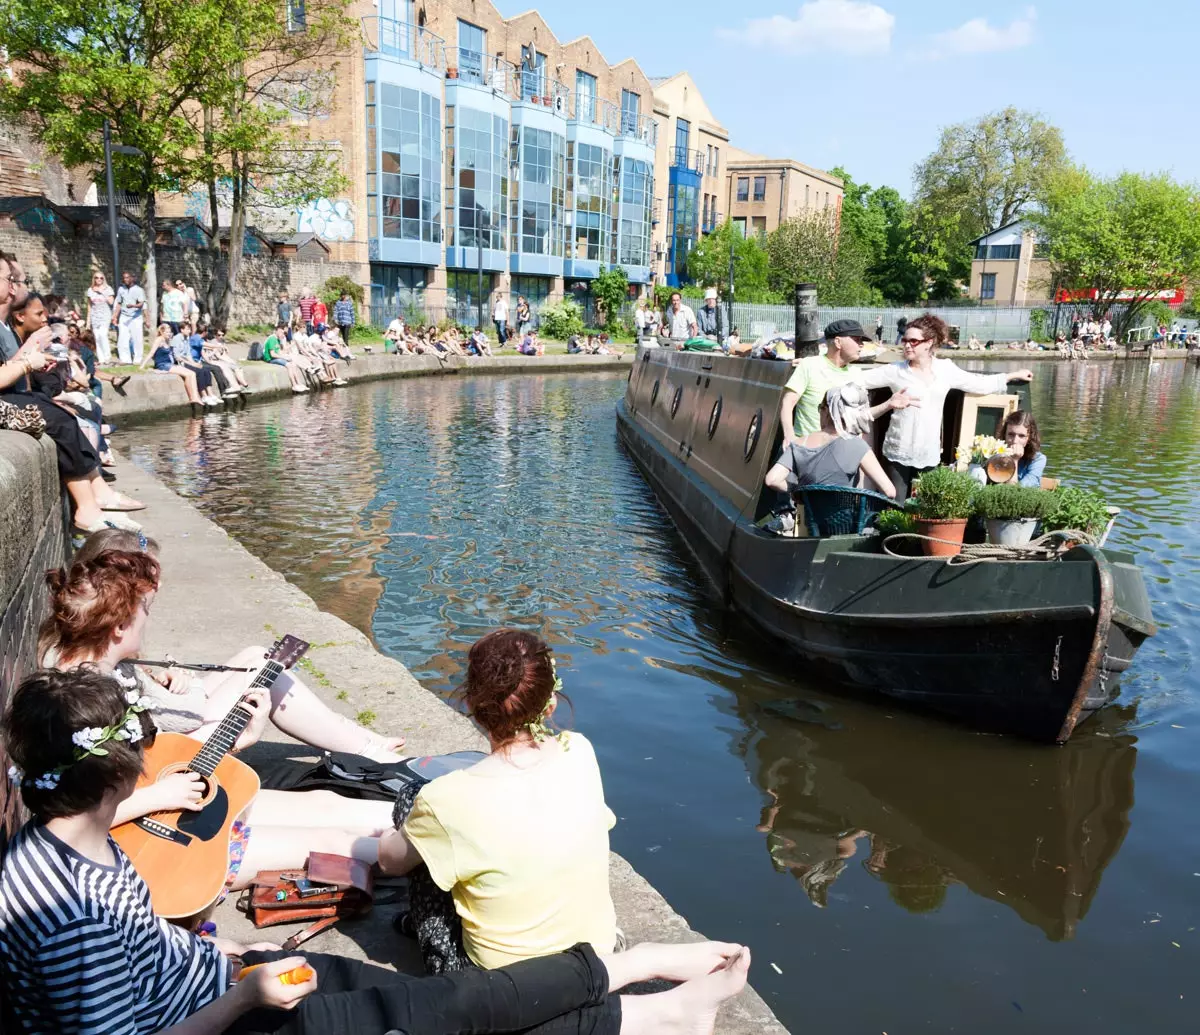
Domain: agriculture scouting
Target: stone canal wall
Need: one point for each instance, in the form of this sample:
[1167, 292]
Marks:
[32, 539]
[163, 393]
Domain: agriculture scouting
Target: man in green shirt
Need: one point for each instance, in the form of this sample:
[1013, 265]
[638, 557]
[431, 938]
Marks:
[273, 353]
[815, 375]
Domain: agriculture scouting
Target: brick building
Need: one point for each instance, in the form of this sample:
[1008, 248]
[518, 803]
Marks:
[760, 193]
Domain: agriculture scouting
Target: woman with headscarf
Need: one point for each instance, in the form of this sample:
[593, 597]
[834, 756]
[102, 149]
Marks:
[836, 454]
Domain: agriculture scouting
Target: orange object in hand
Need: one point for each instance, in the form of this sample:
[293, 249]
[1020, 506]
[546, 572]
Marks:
[295, 976]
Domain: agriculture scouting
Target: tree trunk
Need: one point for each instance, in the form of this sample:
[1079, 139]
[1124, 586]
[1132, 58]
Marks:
[150, 270]
[214, 222]
[237, 233]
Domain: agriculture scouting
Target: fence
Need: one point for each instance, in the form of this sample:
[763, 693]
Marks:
[986, 324]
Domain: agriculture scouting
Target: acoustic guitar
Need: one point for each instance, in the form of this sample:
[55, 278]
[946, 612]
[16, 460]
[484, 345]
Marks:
[184, 856]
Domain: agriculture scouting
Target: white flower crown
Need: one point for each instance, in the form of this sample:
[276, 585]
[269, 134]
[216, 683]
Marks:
[89, 741]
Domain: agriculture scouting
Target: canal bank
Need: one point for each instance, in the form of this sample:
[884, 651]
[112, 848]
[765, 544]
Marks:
[216, 598]
[151, 394]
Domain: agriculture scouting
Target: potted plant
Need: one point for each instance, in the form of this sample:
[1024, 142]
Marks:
[1073, 508]
[1011, 512]
[898, 522]
[945, 499]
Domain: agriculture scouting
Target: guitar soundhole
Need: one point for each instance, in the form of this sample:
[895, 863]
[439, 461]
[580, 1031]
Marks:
[210, 788]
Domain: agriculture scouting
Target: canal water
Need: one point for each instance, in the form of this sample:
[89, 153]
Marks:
[892, 873]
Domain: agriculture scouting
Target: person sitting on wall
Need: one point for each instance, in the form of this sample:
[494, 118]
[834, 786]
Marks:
[530, 345]
[478, 345]
[273, 352]
[574, 348]
[507, 885]
[162, 356]
[214, 350]
[321, 358]
[394, 337]
[205, 381]
[227, 384]
[108, 964]
[1019, 431]
[836, 453]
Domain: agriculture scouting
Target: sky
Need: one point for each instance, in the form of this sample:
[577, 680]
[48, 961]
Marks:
[869, 84]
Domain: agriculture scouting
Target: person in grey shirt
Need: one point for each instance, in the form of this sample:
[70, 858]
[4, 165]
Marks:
[711, 318]
[128, 317]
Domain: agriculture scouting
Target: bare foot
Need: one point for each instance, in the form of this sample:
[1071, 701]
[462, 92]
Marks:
[681, 961]
[690, 1009]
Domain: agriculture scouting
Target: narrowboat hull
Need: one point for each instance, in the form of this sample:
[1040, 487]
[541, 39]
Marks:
[1024, 647]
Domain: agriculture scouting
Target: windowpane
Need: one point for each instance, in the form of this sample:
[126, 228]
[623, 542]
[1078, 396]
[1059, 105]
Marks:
[760, 188]
[743, 188]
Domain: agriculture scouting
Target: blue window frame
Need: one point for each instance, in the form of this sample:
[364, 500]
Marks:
[987, 285]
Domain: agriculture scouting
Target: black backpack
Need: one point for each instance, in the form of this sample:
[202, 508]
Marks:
[355, 776]
[256, 351]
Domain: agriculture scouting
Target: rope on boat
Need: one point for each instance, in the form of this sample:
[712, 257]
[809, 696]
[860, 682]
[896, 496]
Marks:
[1045, 548]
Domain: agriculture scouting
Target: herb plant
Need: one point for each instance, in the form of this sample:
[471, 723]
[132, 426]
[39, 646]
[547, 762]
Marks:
[1009, 502]
[945, 494]
[1072, 507]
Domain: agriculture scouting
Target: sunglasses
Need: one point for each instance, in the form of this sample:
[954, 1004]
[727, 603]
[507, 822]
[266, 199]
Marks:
[913, 341]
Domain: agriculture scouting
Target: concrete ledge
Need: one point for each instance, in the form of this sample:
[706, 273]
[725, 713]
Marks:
[163, 393]
[30, 498]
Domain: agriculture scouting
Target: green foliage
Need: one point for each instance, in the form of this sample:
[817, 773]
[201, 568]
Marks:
[1129, 233]
[332, 289]
[1010, 502]
[894, 522]
[944, 493]
[1040, 322]
[610, 289]
[366, 717]
[880, 220]
[814, 248]
[1072, 507]
[708, 264]
[561, 319]
[981, 176]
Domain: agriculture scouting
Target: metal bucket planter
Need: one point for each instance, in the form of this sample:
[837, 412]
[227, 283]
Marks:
[1016, 532]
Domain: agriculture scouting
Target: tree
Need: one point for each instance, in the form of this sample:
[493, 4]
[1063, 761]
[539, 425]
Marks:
[814, 248]
[982, 176]
[1123, 239]
[610, 289]
[271, 74]
[136, 64]
[708, 264]
[879, 220]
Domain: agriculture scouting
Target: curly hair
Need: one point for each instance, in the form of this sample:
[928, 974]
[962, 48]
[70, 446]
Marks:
[510, 679]
[1022, 419]
[46, 710]
[92, 599]
[931, 326]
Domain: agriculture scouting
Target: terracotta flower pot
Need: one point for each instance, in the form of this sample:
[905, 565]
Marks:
[950, 529]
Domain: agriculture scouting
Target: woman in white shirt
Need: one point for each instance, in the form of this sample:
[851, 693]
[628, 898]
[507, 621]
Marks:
[99, 315]
[914, 438]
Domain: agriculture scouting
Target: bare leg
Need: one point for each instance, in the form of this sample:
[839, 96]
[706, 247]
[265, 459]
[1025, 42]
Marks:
[87, 510]
[299, 712]
[690, 1009]
[288, 848]
[103, 494]
[320, 809]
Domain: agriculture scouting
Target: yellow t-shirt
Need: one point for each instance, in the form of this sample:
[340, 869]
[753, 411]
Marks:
[524, 853]
[812, 378]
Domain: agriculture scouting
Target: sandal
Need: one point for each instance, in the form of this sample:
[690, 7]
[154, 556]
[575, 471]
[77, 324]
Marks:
[123, 504]
[120, 382]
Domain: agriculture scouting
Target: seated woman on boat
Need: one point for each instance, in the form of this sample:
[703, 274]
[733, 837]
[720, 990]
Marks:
[80, 630]
[914, 438]
[520, 839]
[836, 454]
[1019, 431]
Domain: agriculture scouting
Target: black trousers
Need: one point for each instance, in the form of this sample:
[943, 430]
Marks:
[215, 371]
[564, 994]
[902, 476]
[77, 458]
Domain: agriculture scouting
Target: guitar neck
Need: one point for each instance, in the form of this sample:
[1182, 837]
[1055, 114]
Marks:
[223, 738]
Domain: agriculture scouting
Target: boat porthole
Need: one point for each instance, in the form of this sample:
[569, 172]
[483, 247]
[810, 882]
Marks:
[645, 357]
[676, 401]
[714, 418]
[752, 434]
[697, 379]
[653, 393]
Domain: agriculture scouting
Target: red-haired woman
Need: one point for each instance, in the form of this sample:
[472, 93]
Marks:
[520, 839]
[914, 438]
[98, 613]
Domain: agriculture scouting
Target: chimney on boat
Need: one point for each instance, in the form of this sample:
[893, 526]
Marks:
[808, 330]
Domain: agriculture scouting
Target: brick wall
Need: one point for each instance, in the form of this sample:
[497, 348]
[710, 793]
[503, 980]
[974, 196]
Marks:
[64, 264]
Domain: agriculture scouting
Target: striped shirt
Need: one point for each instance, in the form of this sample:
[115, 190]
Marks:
[81, 950]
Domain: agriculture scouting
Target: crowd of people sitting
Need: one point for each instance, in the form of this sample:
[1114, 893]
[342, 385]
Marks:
[494, 887]
[826, 416]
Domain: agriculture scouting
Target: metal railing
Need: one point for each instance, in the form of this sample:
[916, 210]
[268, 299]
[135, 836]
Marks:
[487, 70]
[404, 40]
[596, 111]
[684, 158]
[639, 127]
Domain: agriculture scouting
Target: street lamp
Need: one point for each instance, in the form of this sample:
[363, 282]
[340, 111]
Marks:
[109, 149]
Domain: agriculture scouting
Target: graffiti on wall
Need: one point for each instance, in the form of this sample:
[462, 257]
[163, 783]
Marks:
[330, 220]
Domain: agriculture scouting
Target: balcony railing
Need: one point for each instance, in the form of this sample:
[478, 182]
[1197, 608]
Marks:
[682, 158]
[484, 70]
[596, 111]
[639, 127]
[403, 40]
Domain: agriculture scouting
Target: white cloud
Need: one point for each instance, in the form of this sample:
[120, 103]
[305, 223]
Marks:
[828, 26]
[979, 37]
